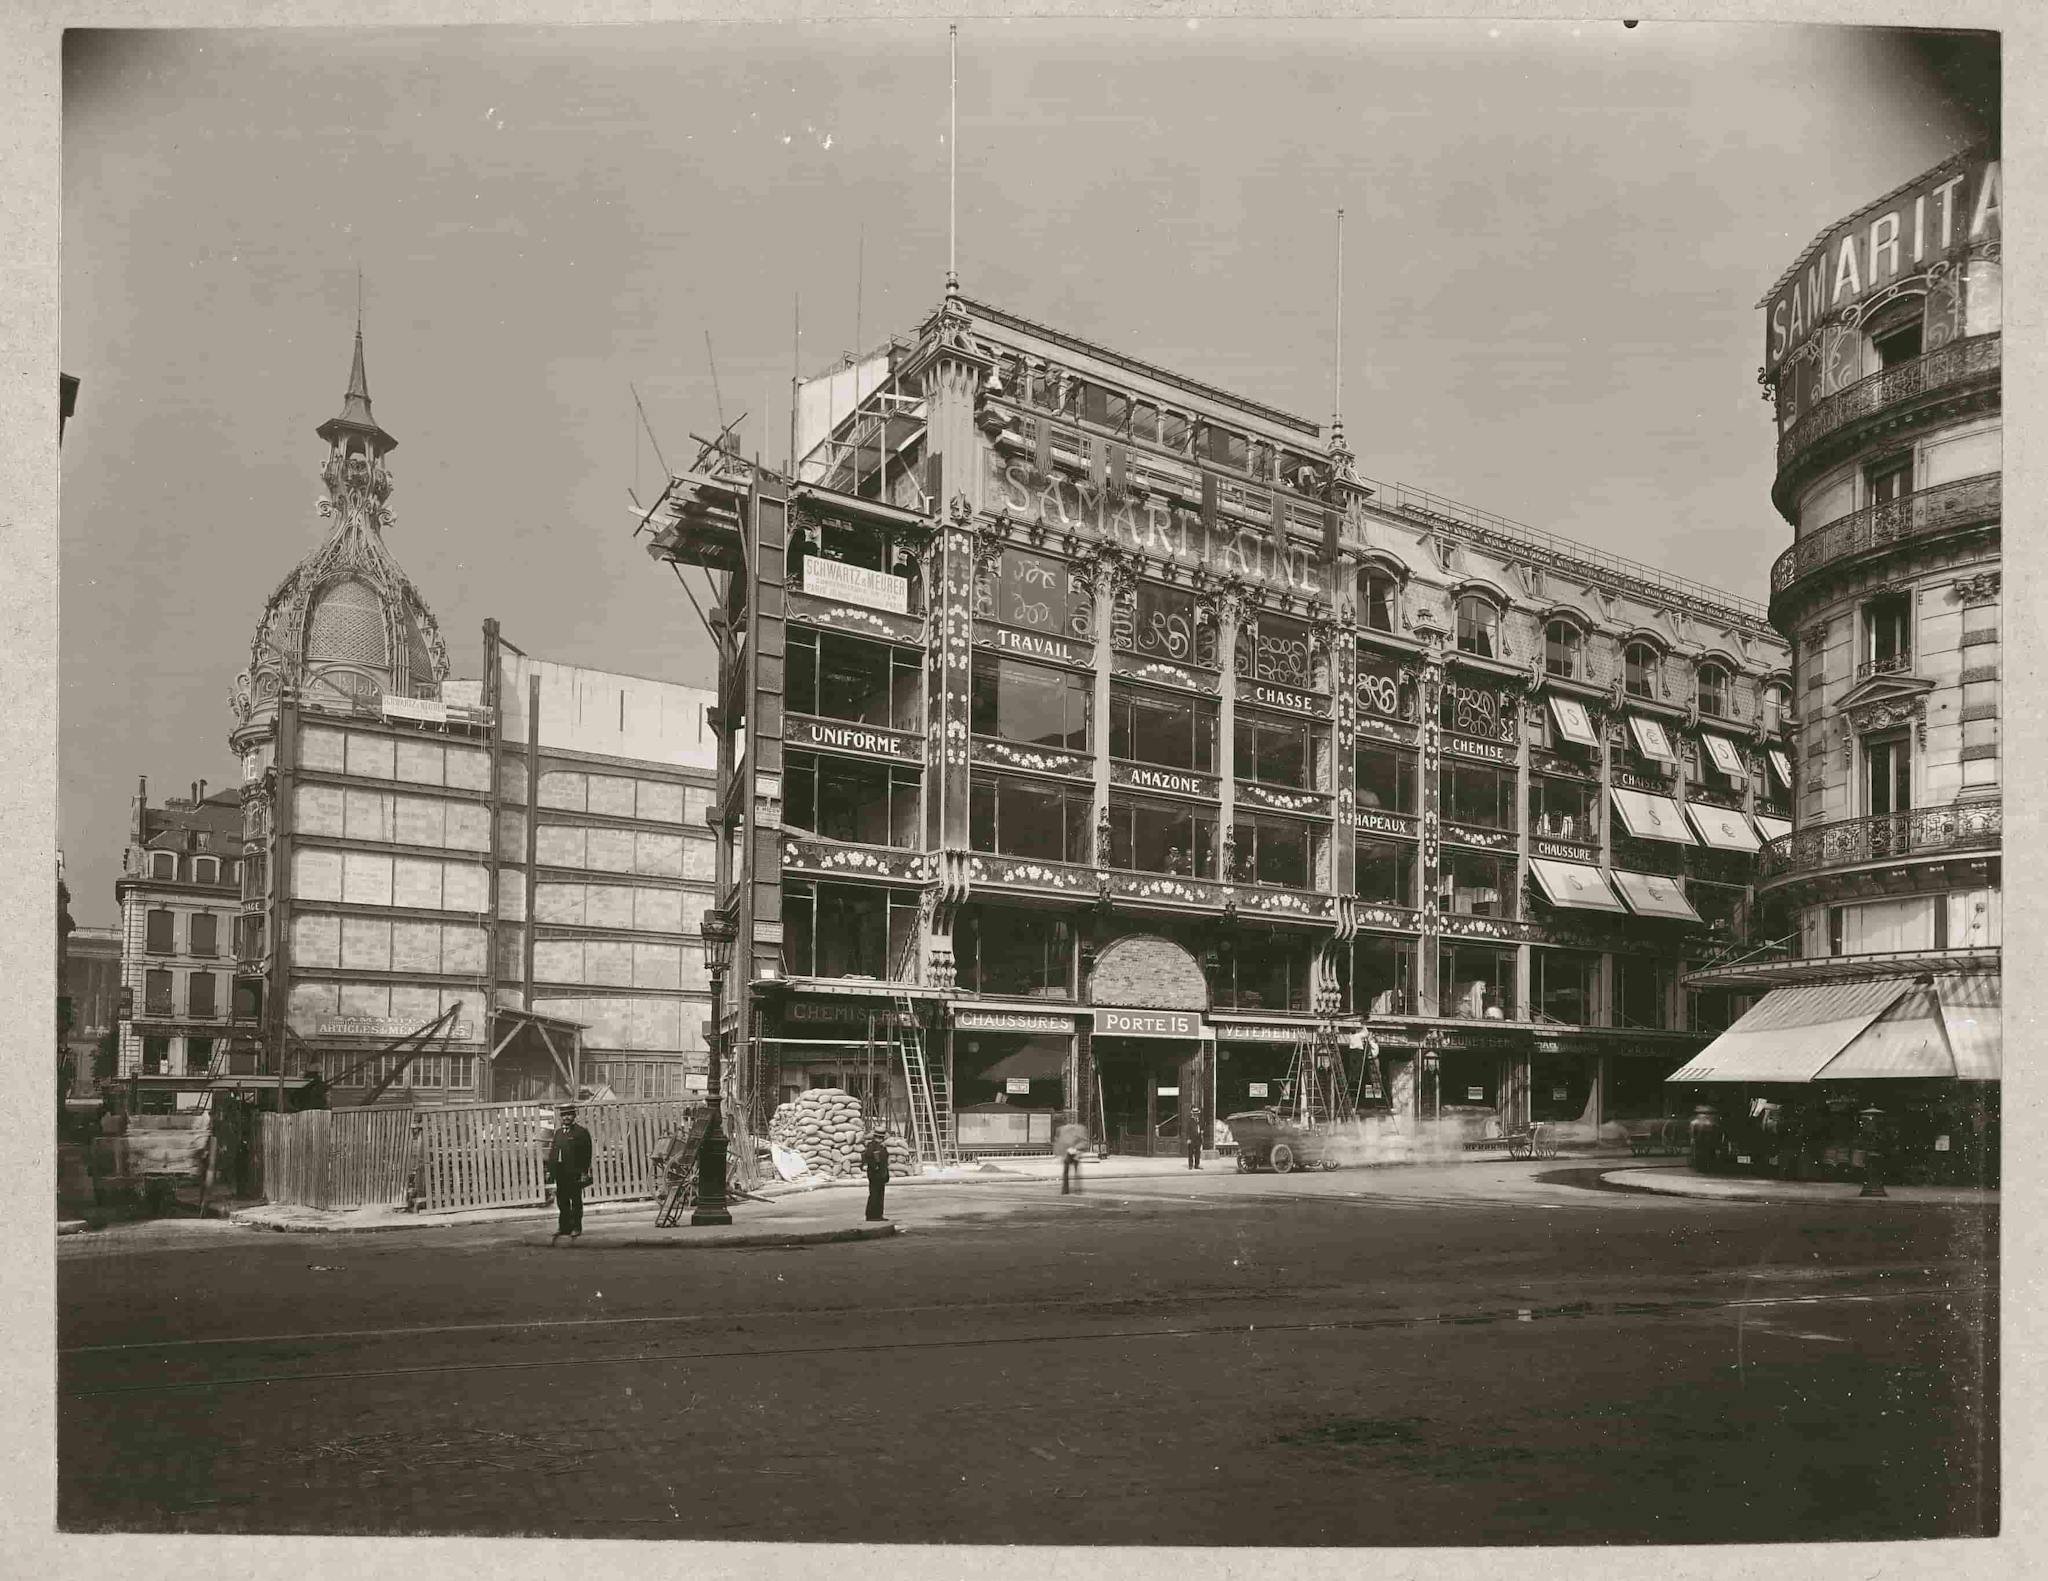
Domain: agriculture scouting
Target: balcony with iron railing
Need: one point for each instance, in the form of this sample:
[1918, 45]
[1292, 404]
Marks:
[1887, 837]
[1968, 502]
[1950, 368]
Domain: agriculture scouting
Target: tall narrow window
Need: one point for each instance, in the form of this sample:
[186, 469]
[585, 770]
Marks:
[1889, 772]
[159, 934]
[1713, 691]
[1639, 670]
[199, 1000]
[163, 866]
[1895, 331]
[1376, 591]
[1561, 649]
[1887, 634]
[156, 993]
[205, 934]
[1891, 479]
[1478, 626]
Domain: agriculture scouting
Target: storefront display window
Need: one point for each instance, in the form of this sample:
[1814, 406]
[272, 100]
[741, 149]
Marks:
[1477, 883]
[1013, 816]
[988, 1067]
[1476, 983]
[848, 930]
[1272, 751]
[836, 676]
[1265, 971]
[1561, 985]
[1385, 778]
[1468, 1079]
[1167, 728]
[1384, 870]
[1477, 795]
[846, 799]
[1161, 836]
[1382, 977]
[1014, 950]
[1273, 851]
[1035, 592]
[1031, 704]
[1170, 623]
[1642, 993]
[1563, 809]
[1561, 1086]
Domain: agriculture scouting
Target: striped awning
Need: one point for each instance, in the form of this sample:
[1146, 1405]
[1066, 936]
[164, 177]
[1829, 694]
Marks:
[1792, 1033]
[1906, 1042]
[1652, 817]
[1973, 1017]
[1653, 895]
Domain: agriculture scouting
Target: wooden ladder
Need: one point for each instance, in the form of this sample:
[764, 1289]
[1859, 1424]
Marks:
[931, 1106]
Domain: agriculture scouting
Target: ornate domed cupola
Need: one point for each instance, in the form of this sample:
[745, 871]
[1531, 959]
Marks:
[347, 626]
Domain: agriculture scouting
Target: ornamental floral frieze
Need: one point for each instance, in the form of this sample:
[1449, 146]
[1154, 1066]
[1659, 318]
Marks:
[1506, 928]
[1486, 839]
[835, 735]
[1286, 902]
[829, 856]
[1889, 713]
[1159, 888]
[1394, 919]
[810, 610]
[1061, 876]
[1157, 672]
[1250, 792]
[1039, 760]
[1386, 730]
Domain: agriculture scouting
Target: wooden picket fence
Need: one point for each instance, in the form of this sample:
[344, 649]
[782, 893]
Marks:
[482, 1155]
[337, 1158]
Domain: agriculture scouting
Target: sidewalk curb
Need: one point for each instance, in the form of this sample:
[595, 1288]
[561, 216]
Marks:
[248, 1219]
[1712, 1191]
[683, 1240]
[72, 1226]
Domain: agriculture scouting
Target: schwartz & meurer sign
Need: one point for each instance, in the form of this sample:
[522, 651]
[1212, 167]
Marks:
[856, 584]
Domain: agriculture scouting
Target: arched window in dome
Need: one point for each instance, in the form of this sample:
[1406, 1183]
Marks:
[347, 627]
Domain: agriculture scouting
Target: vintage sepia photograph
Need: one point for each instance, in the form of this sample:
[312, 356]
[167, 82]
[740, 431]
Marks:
[1226, 785]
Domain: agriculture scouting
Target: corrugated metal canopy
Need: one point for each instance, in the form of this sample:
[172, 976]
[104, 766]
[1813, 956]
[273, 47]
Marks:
[1973, 1017]
[1792, 1033]
[1652, 817]
[1906, 1043]
[1575, 884]
[1653, 895]
[1721, 828]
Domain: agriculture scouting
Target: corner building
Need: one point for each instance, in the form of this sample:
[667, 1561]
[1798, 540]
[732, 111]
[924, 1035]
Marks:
[1136, 746]
[1882, 358]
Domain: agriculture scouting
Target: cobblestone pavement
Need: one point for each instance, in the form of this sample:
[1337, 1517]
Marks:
[1207, 1359]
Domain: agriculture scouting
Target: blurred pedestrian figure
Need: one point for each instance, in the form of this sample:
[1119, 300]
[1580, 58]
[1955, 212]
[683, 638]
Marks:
[1706, 1138]
[1068, 1144]
[569, 1168]
[874, 1159]
[1194, 1138]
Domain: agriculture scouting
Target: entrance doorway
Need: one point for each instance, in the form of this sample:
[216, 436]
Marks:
[1149, 1086]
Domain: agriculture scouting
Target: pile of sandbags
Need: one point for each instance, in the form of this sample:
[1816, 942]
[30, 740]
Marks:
[825, 1126]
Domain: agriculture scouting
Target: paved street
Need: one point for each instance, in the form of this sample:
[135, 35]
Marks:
[1484, 1353]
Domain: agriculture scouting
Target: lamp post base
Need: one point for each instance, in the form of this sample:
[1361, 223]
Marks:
[712, 1207]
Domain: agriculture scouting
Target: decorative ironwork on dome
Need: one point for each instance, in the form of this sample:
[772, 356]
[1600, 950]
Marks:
[347, 624]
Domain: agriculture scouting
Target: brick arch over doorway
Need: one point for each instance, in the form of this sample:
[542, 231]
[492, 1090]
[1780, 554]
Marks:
[1146, 971]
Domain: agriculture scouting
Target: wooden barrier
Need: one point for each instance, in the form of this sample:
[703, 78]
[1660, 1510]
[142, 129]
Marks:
[493, 1155]
[337, 1158]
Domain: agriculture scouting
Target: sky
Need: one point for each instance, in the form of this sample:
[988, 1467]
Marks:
[1556, 236]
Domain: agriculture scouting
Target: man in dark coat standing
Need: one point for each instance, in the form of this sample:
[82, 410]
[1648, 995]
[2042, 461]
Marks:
[1194, 1137]
[874, 1159]
[569, 1168]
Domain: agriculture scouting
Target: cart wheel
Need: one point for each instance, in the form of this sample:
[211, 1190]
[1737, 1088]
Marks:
[1244, 1165]
[1519, 1147]
[1283, 1158]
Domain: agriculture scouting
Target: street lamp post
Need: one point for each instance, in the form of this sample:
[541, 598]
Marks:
[1873, 1153]
[712, 1207]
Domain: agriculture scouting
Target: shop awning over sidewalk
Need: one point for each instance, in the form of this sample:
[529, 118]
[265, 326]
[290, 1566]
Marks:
[1793, 1033]
[1973, 1018]
[1947, 1028]
[1575, 884]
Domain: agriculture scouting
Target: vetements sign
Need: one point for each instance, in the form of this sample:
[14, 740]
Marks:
[1147, 1024]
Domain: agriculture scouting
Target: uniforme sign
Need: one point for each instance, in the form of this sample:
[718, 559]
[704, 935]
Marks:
[1958, 201]
[1153, 527]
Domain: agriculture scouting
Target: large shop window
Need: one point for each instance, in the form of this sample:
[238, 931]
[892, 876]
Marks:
[1385, 871]
[1012, 816]
[1161, 836]
[1166, 728]
[1274, 851]
[1035, 592]
[1719, 905]
[1015, 950]
[1031, 704]
[1475, 983]
[846, 799]
[1478, 795]
[1382, 978]
[1265, 971]
[1468, 1079]
[1561, 985]
[841, 677]
[1385, 778]
[1563, 809]
[1663, 857]
[1477, 883]
[848, 930]
[1272, 751]
[1642, 993]
[1284, 651]
[1169, 623]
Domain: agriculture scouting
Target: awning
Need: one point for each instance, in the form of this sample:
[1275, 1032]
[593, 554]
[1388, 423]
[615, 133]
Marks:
[1653, 895]
[1573, 722]
[1721, 828]
[1772, 828]
[1652, 817]
[1973, 1018]
[1575, 884]
[1725, 757]
[1906, 1043]
[1782, 767]
[1650, 738]
[1035, 1060]
[1792, 1032]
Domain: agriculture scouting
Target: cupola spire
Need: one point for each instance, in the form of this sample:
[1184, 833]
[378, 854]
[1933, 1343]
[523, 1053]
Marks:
[355, 419]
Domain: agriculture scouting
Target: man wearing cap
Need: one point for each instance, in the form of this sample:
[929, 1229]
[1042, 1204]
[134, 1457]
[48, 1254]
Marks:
[569, 1168]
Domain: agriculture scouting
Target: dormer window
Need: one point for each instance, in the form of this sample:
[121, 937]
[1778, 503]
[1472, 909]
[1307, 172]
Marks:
[206, 870]
[1712, 692]
[1478, 626]
[1376, 590]
[1561, 643]
[1639, 670]
[163, 866]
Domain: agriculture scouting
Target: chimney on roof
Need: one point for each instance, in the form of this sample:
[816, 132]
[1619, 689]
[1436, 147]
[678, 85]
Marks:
[201, 797]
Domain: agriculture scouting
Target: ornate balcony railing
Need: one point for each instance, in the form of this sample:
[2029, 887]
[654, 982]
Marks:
[1851, 842]
[1890, 664]
[1959, 504]
[1956, 363]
